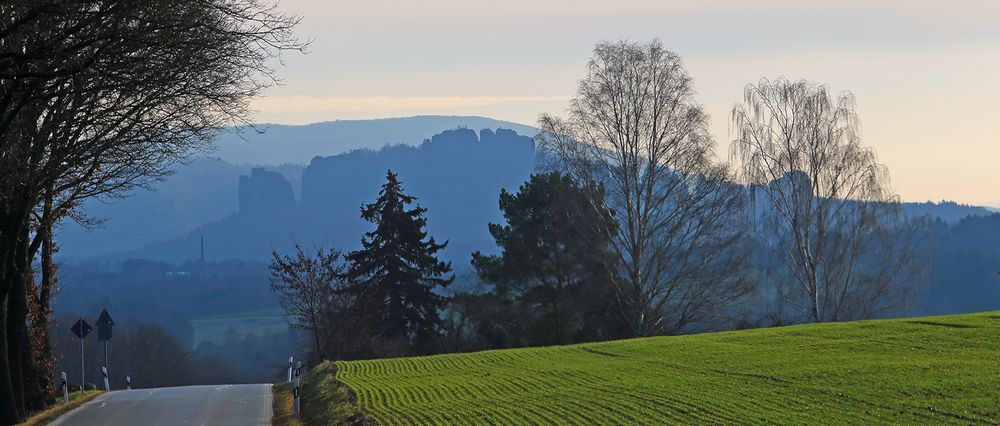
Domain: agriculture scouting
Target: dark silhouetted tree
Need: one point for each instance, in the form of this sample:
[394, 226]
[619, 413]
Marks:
[396, 274]
[307, 287]
[553, 269]
[98, 98]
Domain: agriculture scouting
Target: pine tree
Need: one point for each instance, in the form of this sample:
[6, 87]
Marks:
[554, 264]
[396, 272]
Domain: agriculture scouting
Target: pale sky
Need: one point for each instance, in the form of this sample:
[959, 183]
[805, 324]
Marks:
[926, 74]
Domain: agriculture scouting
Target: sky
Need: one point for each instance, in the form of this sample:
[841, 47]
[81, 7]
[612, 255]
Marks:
[926, 74]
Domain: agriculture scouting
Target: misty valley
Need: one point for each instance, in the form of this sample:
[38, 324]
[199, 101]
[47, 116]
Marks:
[149, 278]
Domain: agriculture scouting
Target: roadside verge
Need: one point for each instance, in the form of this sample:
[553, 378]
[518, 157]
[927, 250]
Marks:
[76, 399]
[325, 401]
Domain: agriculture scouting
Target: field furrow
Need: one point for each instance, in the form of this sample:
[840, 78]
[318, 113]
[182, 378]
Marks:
[929, 370]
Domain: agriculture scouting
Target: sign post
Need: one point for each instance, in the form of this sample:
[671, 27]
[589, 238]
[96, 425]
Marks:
[81, 329]
[104, 328]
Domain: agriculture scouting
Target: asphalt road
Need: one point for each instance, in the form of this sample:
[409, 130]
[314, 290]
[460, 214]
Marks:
[185, 405]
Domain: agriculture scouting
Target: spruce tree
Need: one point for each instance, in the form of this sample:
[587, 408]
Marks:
[396, 272]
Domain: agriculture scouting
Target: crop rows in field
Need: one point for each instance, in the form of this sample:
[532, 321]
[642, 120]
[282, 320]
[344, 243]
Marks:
[933, 370]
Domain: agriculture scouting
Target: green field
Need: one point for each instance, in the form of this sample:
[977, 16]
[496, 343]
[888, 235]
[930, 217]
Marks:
[922, 370]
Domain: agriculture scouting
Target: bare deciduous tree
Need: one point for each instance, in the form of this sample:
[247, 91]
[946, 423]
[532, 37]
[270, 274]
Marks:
[98, 98]
[635, 129]
[309, 288]
[823, 202]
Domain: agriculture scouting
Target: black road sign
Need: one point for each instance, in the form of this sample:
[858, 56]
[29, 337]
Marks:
[81, 329]
[104, 325]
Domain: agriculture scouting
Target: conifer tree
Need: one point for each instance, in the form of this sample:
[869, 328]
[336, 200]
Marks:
[396, 273]
[554, 264]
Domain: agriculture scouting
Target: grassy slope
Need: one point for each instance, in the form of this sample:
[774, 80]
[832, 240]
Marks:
[324, 401]
[76, 399]
[924, 370]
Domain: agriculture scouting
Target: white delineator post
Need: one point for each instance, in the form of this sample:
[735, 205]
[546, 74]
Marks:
[65, 388]
[128, 382]
[295, 390]
[104, 372]
[290, 368]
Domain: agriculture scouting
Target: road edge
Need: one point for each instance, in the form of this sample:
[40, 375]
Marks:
[267, 415]
[62, 417]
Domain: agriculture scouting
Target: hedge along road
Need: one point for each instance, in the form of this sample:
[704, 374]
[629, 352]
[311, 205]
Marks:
[196, 405]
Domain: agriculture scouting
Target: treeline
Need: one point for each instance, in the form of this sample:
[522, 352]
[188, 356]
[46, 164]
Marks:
[633, 229]
[163, 293]
[148, 353]
[97, 99]
[171, 296]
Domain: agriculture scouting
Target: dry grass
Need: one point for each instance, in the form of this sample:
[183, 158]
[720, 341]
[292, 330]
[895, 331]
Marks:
[283, 409]
[325, 401]
[76, 399]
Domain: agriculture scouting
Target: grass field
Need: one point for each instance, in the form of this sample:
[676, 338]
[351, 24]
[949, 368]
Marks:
[922, 370]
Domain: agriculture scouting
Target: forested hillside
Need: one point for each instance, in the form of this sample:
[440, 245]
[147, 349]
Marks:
[243, 213]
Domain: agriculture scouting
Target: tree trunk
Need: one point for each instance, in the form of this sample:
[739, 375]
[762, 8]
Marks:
[316, 339]
[39, 378]
[8, 407]
[815, 303]
[17, 321]
[8, 244]
[558, 325]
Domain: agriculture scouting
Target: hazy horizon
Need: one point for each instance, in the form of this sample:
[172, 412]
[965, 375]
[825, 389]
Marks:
[993, 206]
[924, 75]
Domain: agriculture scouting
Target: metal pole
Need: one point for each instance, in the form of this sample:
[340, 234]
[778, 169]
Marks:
[83, 377]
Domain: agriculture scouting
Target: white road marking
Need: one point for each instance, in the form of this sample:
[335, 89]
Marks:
[61, 419]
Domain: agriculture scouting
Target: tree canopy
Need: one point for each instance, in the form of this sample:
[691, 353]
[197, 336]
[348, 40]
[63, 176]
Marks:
[396, 275]
[554, 262]
[98, 98]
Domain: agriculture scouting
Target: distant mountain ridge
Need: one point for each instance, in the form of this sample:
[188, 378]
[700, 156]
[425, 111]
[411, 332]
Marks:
[209, 190]
[244, 212]
[457, 175]
[948, 211]
[298, 144]
[206, 189]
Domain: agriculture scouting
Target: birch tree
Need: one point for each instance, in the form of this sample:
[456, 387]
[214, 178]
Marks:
[823, 204]
[635, 130]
